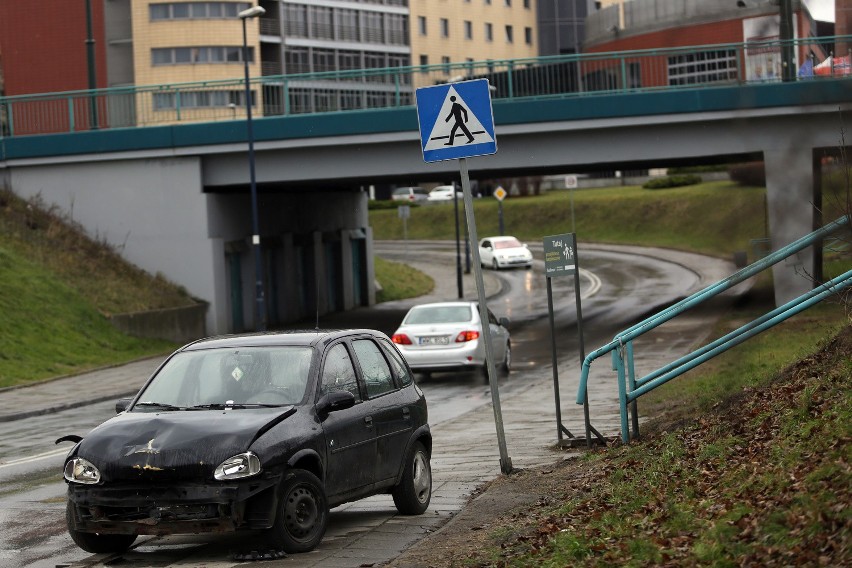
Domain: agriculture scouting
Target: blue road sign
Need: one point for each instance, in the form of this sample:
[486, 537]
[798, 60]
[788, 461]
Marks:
[456, 120]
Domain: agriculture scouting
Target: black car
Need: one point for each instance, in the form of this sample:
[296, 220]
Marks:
[258, 432]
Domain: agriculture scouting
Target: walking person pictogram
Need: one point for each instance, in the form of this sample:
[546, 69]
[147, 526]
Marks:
[460, 114]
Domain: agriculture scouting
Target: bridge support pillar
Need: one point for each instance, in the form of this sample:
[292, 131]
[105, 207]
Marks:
[792, 184]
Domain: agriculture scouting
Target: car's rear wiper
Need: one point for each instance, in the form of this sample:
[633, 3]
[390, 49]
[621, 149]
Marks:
[160, 405]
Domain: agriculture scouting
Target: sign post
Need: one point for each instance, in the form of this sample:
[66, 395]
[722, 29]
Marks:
[500, 195]
[456, 122]
[560, 259]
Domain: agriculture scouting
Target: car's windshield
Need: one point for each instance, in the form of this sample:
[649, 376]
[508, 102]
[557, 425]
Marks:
[438, 314]
[235, 376]
[507, 244]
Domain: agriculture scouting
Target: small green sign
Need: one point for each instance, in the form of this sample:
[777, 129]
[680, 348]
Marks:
[560, 255]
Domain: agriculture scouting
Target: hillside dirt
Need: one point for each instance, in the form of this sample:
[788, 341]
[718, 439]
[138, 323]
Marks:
[516, 511]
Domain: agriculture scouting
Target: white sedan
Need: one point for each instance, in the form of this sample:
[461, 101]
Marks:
[504, 252]
[447, 336]
[444, 193]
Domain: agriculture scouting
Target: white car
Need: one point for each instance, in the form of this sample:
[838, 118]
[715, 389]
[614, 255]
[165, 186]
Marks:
[447, 336]
[444, 193]
[504, 252]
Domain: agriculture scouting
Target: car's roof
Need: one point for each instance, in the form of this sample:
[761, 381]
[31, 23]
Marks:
[278, 338]
[444, 304]
[501, 238]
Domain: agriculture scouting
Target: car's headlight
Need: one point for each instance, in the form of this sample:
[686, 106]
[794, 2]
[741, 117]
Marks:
[235, 467]
[79, 470]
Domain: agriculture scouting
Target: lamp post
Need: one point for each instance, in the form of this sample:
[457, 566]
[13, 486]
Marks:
[90, 62]
[260, 314]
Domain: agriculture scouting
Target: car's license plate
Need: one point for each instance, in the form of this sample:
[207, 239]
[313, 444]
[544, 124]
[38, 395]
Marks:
[442, 340]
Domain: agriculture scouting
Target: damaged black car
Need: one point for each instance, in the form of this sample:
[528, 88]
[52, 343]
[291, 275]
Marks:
[262, 432]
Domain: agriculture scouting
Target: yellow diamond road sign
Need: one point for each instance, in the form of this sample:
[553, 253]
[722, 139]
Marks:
[500, 194]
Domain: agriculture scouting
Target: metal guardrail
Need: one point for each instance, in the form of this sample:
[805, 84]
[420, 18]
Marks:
[564, 76]
[621, 347]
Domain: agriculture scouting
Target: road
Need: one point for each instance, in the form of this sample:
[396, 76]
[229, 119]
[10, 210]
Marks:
[618, 287]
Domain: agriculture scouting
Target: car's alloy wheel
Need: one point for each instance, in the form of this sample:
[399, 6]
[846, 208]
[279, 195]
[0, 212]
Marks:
[494, 264]
[414, 491]
[302, 513]
[96, 543]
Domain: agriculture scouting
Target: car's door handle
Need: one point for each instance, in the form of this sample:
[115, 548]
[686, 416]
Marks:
[368, 420]
[406, 413]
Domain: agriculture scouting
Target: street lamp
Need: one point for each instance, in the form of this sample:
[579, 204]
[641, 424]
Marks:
[260, 318]
[90, 63]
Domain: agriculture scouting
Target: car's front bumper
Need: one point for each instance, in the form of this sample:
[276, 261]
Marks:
[178, 508]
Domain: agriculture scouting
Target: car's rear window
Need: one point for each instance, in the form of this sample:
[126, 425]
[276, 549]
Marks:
[507, 244]
[439, 314]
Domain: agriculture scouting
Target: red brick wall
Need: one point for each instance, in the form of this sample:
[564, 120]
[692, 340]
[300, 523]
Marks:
[843, 24]
[43, 45]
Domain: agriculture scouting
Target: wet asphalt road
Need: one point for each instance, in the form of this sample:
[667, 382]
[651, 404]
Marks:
[617, 290]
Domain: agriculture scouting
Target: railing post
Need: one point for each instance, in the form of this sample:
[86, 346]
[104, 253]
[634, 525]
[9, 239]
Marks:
[177, 104]
[618, 366]
[631, 386]
[396, 88]
[623, 74]
[70, 114]
[509, 80]
[286, 97]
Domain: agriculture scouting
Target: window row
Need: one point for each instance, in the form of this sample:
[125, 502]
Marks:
[201, 99]
[507, 3]
[199, 54]
[705, 67]
[320, 60]
[444, 24]
[345, 24]
[196, 10]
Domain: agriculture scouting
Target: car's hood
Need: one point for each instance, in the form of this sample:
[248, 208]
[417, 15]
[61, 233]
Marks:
[175, 444]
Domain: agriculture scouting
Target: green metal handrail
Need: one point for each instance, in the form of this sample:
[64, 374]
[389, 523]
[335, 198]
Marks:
[621, 347]
[564, 76]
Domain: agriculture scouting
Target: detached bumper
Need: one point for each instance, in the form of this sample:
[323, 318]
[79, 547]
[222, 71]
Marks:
[176, 509]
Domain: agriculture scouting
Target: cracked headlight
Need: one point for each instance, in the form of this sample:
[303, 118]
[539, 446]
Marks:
[235, 467]
[79, 470]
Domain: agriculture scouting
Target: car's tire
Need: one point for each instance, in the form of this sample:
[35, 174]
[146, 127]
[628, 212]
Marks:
[414, 491]
[506, 365]
[302, 515]
[494, 264]
[96, 543]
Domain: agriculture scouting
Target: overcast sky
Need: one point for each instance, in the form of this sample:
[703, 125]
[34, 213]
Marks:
[822, 10]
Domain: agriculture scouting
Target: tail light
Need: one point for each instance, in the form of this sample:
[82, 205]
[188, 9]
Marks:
[467, 336]
[401, 339]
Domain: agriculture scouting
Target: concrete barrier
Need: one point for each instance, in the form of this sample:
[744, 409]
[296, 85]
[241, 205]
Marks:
[180, 325]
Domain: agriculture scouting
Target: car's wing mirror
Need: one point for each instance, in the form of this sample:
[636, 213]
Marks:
[504, 321]
[526, 246]
[122, 405]
[333, 401]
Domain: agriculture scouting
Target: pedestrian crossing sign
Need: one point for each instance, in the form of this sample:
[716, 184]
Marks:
[456, 120]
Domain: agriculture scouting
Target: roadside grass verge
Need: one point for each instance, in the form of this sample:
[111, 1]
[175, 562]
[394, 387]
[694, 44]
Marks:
[756, 476]
[400, 281]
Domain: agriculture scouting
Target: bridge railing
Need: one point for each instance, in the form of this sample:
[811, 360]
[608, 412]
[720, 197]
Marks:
[621, 350]
[694, 67]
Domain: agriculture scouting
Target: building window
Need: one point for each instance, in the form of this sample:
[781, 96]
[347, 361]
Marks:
[424, 60]
[347, 24]
[489, 32]
[488, 2]
[196, 10]
[421, 25]
[445, 27]
[348, 60]
[445, 61]
[201, 99]
[295, 20]
[528, 36]
[468, 29]
[715, 66]
[397, 26]
[527, 4]
[297, 60]
[199, 54]
[323, 60]
[508, 3]
[371, 24]
[509, 34]
[321, 27]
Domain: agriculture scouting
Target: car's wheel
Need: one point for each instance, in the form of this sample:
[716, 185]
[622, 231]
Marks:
[414, 491]
[302, 515]
[494, 264]
[96, 543]
[506, 366]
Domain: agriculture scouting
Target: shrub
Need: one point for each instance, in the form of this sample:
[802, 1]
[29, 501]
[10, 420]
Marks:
[672, 181]
[751, 174]
[697, 169]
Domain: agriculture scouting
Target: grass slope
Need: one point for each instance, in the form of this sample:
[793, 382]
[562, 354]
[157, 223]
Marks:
[56, 288]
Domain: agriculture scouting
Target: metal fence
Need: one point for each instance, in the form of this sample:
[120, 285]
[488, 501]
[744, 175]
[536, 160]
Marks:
[695, 67]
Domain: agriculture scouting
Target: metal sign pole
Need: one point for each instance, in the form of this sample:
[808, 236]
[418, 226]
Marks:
[560, 428]
[505, 460]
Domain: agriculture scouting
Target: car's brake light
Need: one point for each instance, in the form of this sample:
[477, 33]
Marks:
[467, 336]
[401, 339]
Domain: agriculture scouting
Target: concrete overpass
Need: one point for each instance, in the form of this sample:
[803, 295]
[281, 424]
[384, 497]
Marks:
[176, 196]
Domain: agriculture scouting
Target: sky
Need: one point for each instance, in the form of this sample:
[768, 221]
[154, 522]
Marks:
[822, 10]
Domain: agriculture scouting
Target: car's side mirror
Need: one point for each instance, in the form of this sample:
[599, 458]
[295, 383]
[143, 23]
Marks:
[122, 405]
[504, 321]
[526, 246]
[333, 401]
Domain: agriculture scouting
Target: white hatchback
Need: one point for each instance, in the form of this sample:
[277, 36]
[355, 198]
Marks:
[504, 252]
[447, 336]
